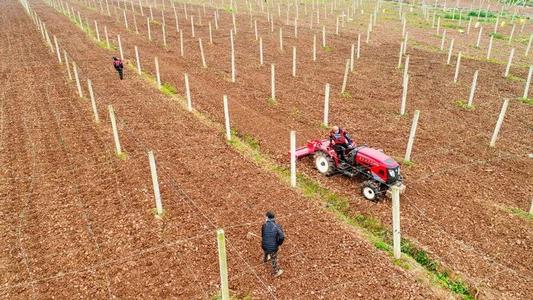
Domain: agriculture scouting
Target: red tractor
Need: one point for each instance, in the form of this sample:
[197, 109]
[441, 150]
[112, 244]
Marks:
[380, 171]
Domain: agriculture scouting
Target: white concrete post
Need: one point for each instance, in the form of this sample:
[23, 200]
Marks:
[93, 101]
[67, 64]
[293, 158]
[457, 66]
[529, 44]
[76, 76]
[345, 79]
[261, 51]
[412, 134]
[450, 50]
[157, 76]
[469, 26]
[396, 236]
[499, 123]
[404, 95]
[221, 242]
[149, 30]
[314, 47]
[192, 26]
[234, 23]
[479, 37]
[473, 89]
[405, 42]
[164, 34]
[442, 40]
[400, 55]
[293, 61]
[528, 82]
[490, 47]
[125, 20]
[406, 69]
[58, 52]
[118, 149]
[509, 62]
[181, 43]
[232, 54]
[281, 38]
[155, 183]
[323, 36]
[204, 64]
[188, 92]
[273, 81]
[210, 34]
[226, 118]
[511, 35]
[120, 47]
[138, 60]
[255, 30]
[326, 105]
[97, 31]
[358, 46]
[352, 57]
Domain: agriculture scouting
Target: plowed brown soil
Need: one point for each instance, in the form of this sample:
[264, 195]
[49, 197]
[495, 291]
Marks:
[459, 190]
[77, 221]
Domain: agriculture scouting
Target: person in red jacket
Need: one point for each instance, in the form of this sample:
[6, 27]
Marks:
[340, 141]
[119, 66]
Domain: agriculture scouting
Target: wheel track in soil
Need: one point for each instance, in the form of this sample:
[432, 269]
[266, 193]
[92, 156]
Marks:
[461, 241]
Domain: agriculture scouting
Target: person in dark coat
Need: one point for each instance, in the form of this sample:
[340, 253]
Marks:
[272, 237]
[119, 66]
[340, 141]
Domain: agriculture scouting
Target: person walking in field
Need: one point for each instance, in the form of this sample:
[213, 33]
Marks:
[119, 66]
[272, 237]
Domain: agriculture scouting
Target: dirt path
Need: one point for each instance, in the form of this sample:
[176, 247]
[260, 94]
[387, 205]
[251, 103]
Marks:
[457, 185]
[89, 228]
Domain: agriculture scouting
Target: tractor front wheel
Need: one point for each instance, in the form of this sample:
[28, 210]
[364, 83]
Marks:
[324, 163]
[370, 190]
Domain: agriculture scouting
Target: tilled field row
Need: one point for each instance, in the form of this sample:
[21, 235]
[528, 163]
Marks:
[116, 247]
[454, 198]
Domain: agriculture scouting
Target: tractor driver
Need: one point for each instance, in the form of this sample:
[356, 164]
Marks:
[340, 141]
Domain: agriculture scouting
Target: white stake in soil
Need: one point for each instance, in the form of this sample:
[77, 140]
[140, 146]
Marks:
[499, 123]
[293, 61]
[479, 37]
[450, 50]
[188, 92]
[118, 149]
[326, 105]
[412, 134]
[67, 65]
[226, 118]
[76, 76]
[157, 76]
[457, 66]
[261, 51]
[528, 82]
[396, 236]
[204, 64]
[120, 47]
[221, 242]
[404, 95]
[490, 47]
[509, 62]
[149, 31]
[273, 81]
[181, 43]
[58, 52]
[293, 158]
[473, 89]
[93, 101]
[155, 183]
[345, 79]
[138, 60]
[314, 47]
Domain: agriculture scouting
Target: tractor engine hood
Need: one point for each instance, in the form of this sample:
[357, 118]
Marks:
[375, 157]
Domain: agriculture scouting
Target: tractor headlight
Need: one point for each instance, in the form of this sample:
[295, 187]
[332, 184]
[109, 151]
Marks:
[392, 174]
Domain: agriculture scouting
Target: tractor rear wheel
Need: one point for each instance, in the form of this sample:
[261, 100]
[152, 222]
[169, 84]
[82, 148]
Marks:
[324, 163]
[370, 190]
